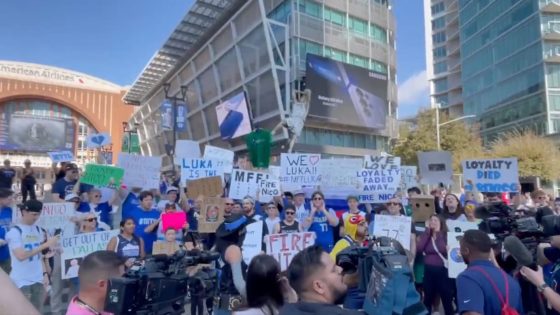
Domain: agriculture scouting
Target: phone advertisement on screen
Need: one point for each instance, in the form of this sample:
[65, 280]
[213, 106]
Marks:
[233, 117]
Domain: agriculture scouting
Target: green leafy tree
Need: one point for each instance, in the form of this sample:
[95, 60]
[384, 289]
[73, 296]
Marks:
[457, 137]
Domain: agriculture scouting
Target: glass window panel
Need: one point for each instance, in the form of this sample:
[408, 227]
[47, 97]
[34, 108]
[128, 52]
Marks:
[207, 85]
[253, 52]
[228, 70]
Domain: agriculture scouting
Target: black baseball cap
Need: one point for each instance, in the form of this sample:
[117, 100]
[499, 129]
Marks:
[70, 166]
[32, 206]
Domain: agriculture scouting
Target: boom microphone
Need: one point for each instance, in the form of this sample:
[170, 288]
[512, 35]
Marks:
[519, 252]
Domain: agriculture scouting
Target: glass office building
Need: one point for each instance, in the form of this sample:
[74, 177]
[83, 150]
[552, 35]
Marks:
[223, 47]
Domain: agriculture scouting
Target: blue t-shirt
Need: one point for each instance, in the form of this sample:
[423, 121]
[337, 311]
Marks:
[4, 250]
[103, 210]
[63, 187]
[193, 221]
[476, 294]
[7, 177]
[324, 236]
[6, 218]
[129, 204]
[142, 219]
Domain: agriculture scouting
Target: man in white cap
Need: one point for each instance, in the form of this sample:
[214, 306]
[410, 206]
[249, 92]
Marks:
[299, 203]
[170, 197]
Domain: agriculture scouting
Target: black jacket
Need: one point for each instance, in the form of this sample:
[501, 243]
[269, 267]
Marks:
[304, 308]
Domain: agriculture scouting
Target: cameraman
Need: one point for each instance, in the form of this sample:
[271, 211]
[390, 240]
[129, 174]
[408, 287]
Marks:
[95, 271]
[537, 279]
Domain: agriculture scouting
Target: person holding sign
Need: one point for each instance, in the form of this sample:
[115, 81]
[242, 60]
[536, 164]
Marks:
[452, 209]
[395, 208]
[322, 222]
[127, 245]
[433, 245]
[103, 210]
[289, 224]
[69, 184]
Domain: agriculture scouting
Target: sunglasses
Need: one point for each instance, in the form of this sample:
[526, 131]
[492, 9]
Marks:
[392, 204]
[91, 219]
[230, 204]
[317, 198]
[271, 207]
[290, 213]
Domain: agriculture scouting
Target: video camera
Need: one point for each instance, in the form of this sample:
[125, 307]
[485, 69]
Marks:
[159, 284]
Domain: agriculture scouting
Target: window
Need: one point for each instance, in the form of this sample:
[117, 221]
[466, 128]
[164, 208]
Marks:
[378, 66]
[359, 61]
[335, 54]
[440, 85]
[377, 33]
[309, 7]
[440, 52]
[440, 67]
[439, 37]
[437, 8]
[335, 17]
[307, 47]
[438, 23]
[357, 25]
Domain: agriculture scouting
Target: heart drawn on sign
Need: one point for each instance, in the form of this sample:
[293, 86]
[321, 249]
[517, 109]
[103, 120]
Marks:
[98, 139]
[314, 159]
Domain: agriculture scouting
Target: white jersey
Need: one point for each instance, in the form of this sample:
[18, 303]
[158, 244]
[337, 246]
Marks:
[30, 270]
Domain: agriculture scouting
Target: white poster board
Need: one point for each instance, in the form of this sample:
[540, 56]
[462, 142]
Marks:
[268, 189]
[140, 171]
[245, 183]
[61, 156]
[409, 177]
[200, 168]
[299, 170]
[283, 247]
[75, 248]
[339, 173]
[219, 154]
[456, 262]
[491, 175]
[186, 149]
[380, 178]
[395, 227]
[435, 167]
[57, 215]
[252, 244]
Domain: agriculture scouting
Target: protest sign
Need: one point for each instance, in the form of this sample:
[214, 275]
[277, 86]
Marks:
[245, 183]
[76, 247]
[299, 170]
[252, 244]
[61, 156]
[268, 190]
[283, 247]
[491, 175]
[140, 171]
[209, 187]
[456, 262]
[408, 177]
[165, 248]
[380, 178]
[102, 175]
[274, 172]
[340, 173]
[173, 220]
[97, 140]
[435, 167]
[422, 208]
[57, 216]
[200, 168]
[186, 149]
[211, 214]
[219, 154]
[460, 226]
[395, 227]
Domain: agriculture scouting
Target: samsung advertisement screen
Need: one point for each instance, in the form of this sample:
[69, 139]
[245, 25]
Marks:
[346, 94]
[233, 117]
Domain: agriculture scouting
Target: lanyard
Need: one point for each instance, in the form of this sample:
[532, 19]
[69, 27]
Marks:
[87, 307]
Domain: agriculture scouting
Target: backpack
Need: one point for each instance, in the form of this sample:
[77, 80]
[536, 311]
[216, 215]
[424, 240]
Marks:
[506, 308]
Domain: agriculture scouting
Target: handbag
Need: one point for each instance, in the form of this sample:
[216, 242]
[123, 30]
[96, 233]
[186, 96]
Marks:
[445, 262]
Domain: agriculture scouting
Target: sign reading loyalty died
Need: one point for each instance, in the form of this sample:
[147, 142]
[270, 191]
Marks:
[299, 170]
[61, 156]
[103, 175]
[209, 187]
[491, 175]
[283, 247]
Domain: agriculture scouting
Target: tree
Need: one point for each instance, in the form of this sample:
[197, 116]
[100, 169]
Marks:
[457, 137]
[536, 155]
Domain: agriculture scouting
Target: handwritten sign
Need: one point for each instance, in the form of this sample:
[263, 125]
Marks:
[173, 220]
[409, 177]
[186, 149]
[57, 216]
[200, 168]
[268, 190]
[252, 244]
[97, 140]
[435, 167]
[395, 227]
[491, 175]
[283, 247]
[147, 178]
[340, 173]
[380, 177]
[101, 175]
[209, 187]
[76, 247]
[245, 183]
[211, 214]
[61, 156]
[219, 154]
[299, 170]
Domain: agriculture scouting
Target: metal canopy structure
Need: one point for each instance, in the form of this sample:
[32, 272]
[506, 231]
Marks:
[185, 40]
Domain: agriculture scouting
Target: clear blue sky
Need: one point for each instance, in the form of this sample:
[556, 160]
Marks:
[114, 39]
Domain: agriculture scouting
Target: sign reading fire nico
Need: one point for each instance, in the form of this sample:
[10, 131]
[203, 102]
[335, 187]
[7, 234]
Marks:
[346, 94]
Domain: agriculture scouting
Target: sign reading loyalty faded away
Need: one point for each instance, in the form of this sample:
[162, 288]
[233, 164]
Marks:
[245, 183]
[493, 175]
[380, 177]
[298, 170]
[283, 247]
[200, 168]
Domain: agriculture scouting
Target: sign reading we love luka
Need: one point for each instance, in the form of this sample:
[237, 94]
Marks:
[299, 170]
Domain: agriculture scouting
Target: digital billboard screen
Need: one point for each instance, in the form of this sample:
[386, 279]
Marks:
[22, 132]
[346, 94]
[233, 117]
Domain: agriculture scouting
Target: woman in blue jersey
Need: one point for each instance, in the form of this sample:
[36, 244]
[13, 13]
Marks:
[322, 222]
[127, 245]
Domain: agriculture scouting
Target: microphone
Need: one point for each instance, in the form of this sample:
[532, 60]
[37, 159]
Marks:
[519, 252]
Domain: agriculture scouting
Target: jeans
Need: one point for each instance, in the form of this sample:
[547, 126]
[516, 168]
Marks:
[35, 294]
[28, 187]
[437, 282]
[354, 299]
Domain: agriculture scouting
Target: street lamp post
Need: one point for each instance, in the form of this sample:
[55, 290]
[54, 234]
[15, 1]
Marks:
[438, 125]
[174, 99]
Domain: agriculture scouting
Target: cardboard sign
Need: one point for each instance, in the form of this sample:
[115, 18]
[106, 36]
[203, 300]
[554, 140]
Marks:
[101, 175]
[338, 173]
[283, 247]
[61, 156]
[186, 149]
[245, 183]
[57, 216]
[299, 170]
[219, 154]
[408, 177]
[98, 140]
[75, 248]
[380, 178]
[252, 244]
[173, 220]
[147, 178]
[491, 175]
[199, 168]
[211, 214]
[165, 248]
[210, 187]
[395, 227]
[422, 208]
[268, 190]
[435, 167]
